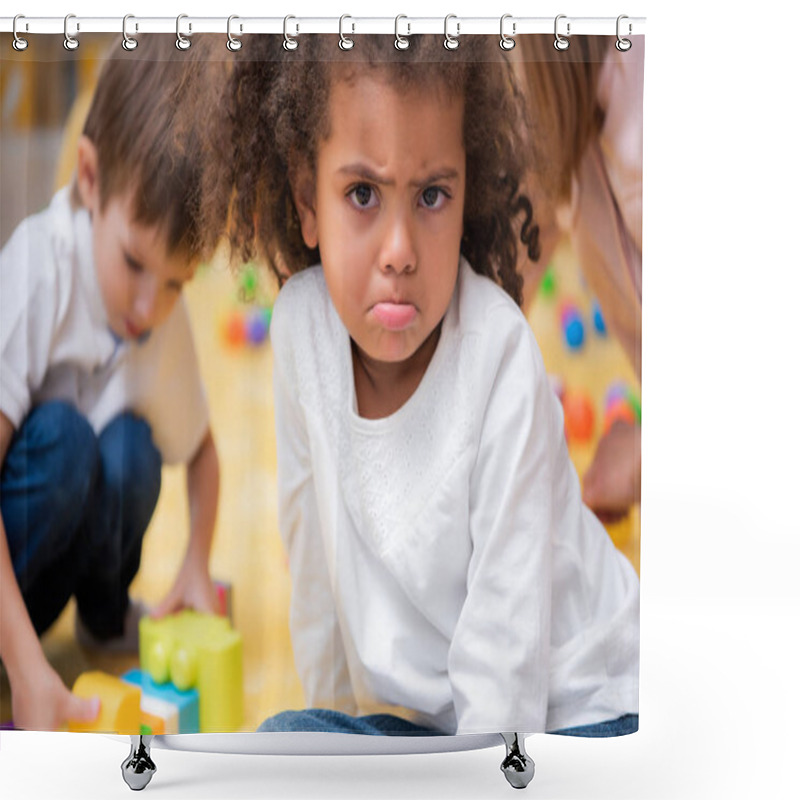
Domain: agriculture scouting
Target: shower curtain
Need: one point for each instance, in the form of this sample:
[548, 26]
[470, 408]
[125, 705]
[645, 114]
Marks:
[321, 383]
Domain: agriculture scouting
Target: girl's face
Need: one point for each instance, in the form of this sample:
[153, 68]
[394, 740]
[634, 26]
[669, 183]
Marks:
[386, 210]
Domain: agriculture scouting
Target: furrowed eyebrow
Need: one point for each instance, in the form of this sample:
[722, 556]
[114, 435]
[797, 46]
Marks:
[360, 170]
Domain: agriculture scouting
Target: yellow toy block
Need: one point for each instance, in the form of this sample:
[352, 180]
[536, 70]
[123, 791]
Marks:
[119, 704]
[199, 651]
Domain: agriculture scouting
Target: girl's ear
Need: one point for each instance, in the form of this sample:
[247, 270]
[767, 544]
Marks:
[301, 180]
[88, 175]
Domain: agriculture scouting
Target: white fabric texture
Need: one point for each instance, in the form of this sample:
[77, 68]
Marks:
[55, 343]
[443, 564]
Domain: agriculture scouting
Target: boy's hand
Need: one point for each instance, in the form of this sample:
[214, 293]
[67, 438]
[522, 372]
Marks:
[613, 482]
[42, 703]
[193, 588]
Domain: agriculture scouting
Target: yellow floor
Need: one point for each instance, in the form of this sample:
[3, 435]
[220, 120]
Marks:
[247, 550]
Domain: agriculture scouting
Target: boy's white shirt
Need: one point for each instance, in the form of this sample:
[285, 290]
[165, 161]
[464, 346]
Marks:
[442, 560]
[55, 343]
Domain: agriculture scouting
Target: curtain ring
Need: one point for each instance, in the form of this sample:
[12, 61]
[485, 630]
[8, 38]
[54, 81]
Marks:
[401, 42]
[233, 43]
[451, 42]
[561, 43]
[289, 42]
[18, 44]
[70, 42]
[345, 43]
[623, 45]
[506, 42]
[128, 42]
[182, 43]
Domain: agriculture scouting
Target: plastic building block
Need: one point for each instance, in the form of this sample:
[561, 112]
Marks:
[572, 325]
[199, 651]
[179, 711]
[578, 417]
[225, 598]
[597, 319]
[119, 704]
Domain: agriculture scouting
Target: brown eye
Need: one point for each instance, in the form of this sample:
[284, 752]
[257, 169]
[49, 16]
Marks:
[362, 194]
[433, 197]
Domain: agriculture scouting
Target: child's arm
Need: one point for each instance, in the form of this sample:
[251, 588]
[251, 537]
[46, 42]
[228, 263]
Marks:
[316, 636]
[499, 656]
[193, 588]
[39, 698]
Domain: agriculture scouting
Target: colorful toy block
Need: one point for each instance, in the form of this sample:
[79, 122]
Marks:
[199, 651]
[165, 708]
[578, 416]
[225, 598]
[119, 704]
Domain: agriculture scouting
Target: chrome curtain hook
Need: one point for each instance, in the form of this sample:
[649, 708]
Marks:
[182, 43]
[623, 45]
[401, 42]
[70, 42]
[451, 42]
[560, 42]
[345, 43]
[234, 44]
[289, 42]
[506, 42]
[128, 42]
[19, 44]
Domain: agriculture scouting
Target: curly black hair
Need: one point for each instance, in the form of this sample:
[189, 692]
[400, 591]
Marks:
[275, 112]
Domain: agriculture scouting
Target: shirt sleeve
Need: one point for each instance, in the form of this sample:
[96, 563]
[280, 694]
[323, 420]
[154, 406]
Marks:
[316, 637]
[499, 655]
[28, 310]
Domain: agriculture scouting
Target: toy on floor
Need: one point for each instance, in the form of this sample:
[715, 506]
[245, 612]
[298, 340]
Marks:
[578, 416]
[119, 704]
[621, 403]
[572, 327]
[597, 318]
[164, 707]
[199, 651]
[248, 322]
[547, 287]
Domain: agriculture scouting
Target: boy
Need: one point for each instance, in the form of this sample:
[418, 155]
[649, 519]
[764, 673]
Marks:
[99, 384]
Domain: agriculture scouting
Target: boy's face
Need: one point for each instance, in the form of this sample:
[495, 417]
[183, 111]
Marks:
[386, 210]
[139, 282]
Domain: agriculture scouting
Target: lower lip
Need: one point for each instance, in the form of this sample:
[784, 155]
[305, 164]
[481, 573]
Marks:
[394, 316]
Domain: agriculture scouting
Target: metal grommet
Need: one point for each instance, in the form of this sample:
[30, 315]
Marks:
[128, 42]
[233, 43]
[561, 43]
[19, 44]
[289, 42]
[70, 42]
[345, 43]
[182, 43]
[623, 45]
[506, 42]
[451, 42]
[401, 42]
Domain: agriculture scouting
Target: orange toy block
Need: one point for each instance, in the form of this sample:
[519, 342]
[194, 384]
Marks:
[119, 704]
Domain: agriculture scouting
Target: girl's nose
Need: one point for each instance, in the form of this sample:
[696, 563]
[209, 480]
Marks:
[399, 253]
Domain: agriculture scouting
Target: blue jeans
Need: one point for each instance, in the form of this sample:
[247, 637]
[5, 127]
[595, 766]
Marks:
[322, 719]
[627, 723]
[75, 507]
[325, 720]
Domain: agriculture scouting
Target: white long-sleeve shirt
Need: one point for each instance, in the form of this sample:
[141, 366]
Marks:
[442, 561]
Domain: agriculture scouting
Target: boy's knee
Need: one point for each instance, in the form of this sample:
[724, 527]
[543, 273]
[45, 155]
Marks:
[61, 448]
[131, 459]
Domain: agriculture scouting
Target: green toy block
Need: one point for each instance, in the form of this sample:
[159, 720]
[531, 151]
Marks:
[199, 651]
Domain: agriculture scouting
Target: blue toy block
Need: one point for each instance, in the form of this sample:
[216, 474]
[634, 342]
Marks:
[187, 702]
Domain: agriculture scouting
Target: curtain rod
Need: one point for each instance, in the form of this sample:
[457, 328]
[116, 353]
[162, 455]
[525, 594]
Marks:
[74, 25]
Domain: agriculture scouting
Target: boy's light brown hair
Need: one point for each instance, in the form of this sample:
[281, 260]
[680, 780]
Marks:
[132, 124]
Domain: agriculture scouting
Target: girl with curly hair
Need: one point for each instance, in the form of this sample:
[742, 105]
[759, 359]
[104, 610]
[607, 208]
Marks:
[446, 575]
